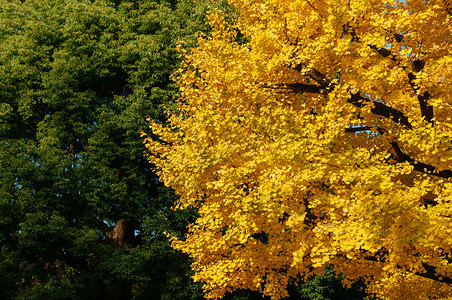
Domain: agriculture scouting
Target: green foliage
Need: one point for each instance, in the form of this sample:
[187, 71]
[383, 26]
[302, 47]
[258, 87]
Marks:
[328, 286]
[77, 80]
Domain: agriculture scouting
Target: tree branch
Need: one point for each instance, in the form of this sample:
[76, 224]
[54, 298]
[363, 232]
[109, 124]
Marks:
[430, 271]
[377, 108]
[358, 129]
[356, 99]
[380, 109]
[426, 109]
[401, 157]
[315, 75]
[419, 166]
[298, 87]
[417, 66]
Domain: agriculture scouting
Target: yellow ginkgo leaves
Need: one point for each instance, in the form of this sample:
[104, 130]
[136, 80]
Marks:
[322, 137]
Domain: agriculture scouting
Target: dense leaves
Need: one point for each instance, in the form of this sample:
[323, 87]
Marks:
[81, 215]
[324, 139]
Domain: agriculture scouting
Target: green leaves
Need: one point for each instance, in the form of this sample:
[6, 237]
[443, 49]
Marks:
[77, 80]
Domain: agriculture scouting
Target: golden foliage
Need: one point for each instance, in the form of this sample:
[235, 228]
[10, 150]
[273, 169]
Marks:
[324, 138]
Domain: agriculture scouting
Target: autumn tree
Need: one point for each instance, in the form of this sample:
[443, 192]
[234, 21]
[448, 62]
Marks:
[324, 138]
[81, 215]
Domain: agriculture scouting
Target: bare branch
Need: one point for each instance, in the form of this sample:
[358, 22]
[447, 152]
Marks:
[401, 157]
[417, 66]
[377, 108]
[297, 87]
[381, 109]
[419, 166]
[315, 75]
[358, 129]
[426, 109]
[430, 271]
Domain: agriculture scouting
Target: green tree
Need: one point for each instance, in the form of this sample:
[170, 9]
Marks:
[81, 214]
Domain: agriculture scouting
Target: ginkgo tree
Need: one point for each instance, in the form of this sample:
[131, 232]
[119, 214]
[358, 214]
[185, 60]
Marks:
[313, 133]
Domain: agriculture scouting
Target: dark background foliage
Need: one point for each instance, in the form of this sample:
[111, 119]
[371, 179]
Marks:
[81, 214]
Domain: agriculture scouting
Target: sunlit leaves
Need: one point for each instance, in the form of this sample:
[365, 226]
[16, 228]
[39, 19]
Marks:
[324, 139]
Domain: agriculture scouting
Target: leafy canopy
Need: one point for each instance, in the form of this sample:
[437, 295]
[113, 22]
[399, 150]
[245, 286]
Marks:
[81, 215]
[324, 139]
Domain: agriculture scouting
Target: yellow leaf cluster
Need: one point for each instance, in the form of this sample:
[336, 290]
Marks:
[324, 137]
